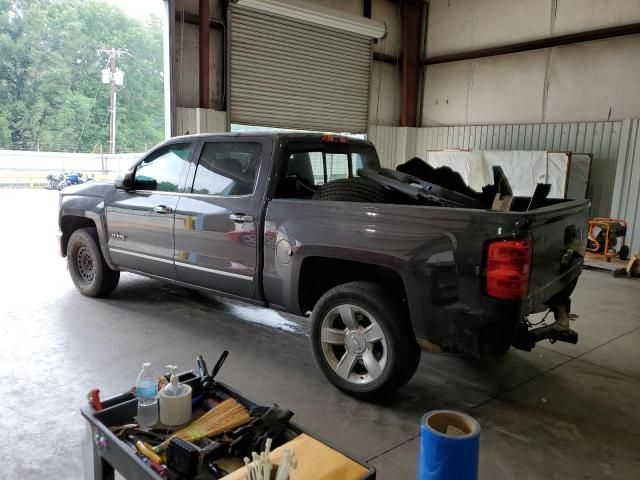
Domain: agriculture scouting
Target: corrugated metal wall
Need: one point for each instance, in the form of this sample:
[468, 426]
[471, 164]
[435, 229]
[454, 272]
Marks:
[600, 139]
[626, 189]
[614, 146]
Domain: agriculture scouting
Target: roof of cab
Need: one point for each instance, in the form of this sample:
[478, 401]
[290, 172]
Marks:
[286, 136]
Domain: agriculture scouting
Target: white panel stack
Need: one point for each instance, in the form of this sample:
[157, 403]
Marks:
[524, 169]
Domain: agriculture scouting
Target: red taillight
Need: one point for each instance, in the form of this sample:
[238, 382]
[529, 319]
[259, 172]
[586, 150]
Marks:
[508, 269]
[327, 137]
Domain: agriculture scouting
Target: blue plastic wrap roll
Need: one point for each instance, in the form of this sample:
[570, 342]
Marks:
[449, 444]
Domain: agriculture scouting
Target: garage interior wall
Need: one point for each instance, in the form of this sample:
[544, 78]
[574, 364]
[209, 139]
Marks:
[186, 45]
[626, 190]
[583, 82]
[603, 140]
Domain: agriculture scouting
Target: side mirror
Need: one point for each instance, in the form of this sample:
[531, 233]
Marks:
[125, 182]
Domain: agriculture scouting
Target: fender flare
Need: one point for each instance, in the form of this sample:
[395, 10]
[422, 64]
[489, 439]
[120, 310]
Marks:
[97, 217]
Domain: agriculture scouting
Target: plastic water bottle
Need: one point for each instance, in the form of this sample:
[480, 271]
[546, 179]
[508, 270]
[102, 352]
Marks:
[147, 393]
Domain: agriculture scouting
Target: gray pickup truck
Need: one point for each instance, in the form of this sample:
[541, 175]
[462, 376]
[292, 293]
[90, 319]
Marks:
[289, 221]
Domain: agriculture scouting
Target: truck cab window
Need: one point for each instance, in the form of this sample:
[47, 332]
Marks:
[162, 169]
[359, 161]
[337, 166]
[227, 168]
[308, 167]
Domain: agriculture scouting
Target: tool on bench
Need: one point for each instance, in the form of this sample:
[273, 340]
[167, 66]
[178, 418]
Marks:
[207, 381]
[185, 458]
[147, 450]
[268, 424]
[94, 399]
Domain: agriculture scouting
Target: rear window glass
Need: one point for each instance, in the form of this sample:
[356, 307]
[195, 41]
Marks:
[322, 164]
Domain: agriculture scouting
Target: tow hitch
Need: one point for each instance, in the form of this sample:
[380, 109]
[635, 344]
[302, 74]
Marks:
[558, 331]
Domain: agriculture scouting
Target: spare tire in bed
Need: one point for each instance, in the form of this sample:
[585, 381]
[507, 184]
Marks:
[352, 190]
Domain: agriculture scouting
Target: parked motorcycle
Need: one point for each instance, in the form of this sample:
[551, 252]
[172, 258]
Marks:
[64, 179]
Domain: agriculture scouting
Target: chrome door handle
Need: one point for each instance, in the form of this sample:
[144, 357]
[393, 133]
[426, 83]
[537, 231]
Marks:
[241, 217]
[162, 209]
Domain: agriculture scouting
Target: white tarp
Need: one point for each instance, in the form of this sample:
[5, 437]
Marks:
[523, 168]
[467, 164]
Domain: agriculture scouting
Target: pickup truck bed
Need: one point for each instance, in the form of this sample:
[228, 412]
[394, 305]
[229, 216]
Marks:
[381, 276]
[438, 256]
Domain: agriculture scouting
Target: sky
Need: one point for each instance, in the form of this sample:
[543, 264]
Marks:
[139, 9]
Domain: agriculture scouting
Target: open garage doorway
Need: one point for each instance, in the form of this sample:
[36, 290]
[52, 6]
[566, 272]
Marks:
[82, 89]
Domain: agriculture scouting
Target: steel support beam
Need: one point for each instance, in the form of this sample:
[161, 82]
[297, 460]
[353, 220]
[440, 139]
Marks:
[572, 38]
[194, 19]
[411, 45]
[203, 53]
[386, 58]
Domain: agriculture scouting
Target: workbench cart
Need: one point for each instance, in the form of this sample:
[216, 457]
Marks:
[110, 453]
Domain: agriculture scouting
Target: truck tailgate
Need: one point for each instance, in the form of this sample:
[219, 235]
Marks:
[559, 241]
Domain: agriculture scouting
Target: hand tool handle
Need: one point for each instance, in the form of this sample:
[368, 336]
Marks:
[201, 366]
[219, 363]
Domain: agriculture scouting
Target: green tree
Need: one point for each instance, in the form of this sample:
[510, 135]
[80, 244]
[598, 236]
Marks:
[51, 95]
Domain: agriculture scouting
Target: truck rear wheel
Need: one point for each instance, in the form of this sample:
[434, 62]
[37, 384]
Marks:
[362, 340]
[90, 273]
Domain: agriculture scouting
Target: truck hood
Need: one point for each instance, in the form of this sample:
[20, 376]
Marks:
[89, 189]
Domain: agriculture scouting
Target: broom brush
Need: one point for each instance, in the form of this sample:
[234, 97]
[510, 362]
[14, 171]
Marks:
[225, 416]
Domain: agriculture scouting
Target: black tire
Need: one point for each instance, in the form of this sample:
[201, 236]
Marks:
[352, 190]
[402, 351]
[90, 273]
[624, 252]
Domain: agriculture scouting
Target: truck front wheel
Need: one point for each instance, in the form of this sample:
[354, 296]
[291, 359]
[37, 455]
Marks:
[90, 273]
[362, 340]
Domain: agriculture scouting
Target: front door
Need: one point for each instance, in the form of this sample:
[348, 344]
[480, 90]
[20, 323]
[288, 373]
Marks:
[217, 219]
[140, 221]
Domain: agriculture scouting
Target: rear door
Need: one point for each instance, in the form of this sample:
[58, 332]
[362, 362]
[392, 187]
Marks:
[140, 221]
[218, 217]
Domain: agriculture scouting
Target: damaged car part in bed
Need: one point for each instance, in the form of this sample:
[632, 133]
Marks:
[386, 263]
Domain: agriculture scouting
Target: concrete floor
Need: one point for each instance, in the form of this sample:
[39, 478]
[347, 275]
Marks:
[562, 411]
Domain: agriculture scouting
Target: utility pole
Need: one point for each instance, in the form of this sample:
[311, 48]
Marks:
[112, 108]
[115, 77]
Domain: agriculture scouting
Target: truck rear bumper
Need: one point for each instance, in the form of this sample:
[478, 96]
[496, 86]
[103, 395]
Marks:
[494, 326]
[484, 332]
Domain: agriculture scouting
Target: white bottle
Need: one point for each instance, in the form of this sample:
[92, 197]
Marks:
[175, 401]
[147, 393]
[174, 388]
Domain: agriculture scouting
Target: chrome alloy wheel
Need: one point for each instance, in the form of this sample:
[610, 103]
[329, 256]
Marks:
[85, 264]
[353, 344]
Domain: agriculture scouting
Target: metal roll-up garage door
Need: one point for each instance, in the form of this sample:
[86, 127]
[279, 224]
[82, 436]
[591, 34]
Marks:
[289, 73]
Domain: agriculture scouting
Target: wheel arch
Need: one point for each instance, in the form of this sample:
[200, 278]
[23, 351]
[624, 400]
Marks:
[318, 274]
[72, 220]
